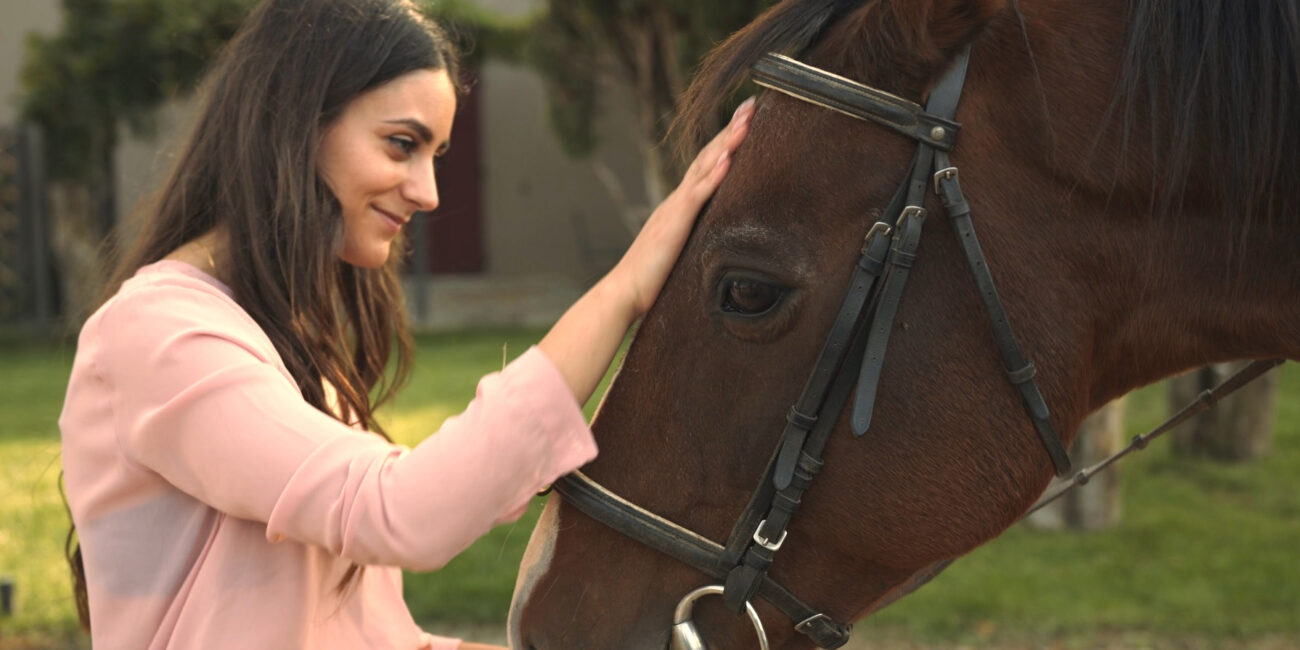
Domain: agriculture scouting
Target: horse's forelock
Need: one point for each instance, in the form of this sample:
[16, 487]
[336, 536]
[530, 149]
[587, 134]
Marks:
[902, 39]
[788, 27]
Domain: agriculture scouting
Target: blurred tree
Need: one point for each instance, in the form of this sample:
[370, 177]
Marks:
[652, 45]
[113, 62]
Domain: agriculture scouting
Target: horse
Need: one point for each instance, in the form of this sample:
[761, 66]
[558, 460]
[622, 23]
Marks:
[1130, 166]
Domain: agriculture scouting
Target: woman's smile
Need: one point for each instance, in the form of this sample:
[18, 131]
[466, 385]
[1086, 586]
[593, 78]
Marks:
[378, 159]
[391, 219]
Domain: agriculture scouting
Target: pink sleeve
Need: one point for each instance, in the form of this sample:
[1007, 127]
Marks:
[198, 402]
[432, 642]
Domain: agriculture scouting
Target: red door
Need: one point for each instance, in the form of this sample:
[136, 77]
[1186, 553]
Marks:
[454, 234]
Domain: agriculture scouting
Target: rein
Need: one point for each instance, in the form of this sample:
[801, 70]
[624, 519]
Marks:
[849, 365]
[1204, 402]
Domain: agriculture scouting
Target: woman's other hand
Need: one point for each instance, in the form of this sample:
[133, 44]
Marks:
[644, 268]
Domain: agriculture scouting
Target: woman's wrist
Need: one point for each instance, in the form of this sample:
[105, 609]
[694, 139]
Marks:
[620, 290]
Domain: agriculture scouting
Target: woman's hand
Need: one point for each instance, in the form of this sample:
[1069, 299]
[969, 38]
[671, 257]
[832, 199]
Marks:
[583, 342]
[644, 268]
[480, 646]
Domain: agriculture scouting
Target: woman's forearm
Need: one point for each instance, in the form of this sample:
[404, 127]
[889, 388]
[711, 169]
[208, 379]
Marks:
[584, 341]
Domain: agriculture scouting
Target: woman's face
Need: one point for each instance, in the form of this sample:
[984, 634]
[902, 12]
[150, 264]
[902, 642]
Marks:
[377, 157]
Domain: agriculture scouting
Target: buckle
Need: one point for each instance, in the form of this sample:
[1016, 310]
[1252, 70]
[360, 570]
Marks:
[807, 623]
[943, 175]
[767, 543]
[911, 212]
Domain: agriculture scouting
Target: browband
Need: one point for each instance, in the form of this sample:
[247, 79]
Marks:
[802, 81]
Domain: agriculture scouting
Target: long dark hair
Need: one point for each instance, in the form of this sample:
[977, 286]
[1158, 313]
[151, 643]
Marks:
[250, 167]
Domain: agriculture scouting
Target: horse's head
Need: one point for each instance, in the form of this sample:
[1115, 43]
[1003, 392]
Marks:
[1111, 279]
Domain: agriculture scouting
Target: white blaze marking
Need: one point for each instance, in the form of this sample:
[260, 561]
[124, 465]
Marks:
[535, 564]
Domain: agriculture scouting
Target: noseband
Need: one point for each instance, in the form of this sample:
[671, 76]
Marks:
[852, 355]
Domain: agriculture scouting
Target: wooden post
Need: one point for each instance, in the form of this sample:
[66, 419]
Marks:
[1094, 506]
[1240, 428]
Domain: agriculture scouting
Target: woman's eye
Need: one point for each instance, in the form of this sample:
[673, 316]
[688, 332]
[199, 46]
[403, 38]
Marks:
[750, 297]
[404, 144]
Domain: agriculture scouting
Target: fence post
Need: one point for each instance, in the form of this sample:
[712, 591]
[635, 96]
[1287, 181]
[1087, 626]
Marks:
[35, 212]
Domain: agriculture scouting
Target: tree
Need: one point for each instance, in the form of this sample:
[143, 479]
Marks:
[113, 62]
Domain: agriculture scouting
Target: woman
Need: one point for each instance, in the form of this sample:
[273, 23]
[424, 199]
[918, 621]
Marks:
[228, 482]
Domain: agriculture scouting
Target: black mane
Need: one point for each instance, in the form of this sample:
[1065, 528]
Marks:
[788, 27]
[1218, 79]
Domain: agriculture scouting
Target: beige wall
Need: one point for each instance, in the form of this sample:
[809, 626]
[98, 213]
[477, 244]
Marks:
[17, 19]
[546, 211]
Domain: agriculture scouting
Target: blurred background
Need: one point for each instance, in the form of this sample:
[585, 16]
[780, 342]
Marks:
[556, 160]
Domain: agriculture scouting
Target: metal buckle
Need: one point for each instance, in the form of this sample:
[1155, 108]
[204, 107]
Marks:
[878, 229]
[943, 175]
[803, 625]
[911, 212]
[767, 543]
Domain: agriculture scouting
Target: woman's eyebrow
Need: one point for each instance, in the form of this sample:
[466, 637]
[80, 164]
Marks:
[420, 129]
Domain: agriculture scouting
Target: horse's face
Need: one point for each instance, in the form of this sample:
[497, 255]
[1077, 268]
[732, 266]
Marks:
[950, 460]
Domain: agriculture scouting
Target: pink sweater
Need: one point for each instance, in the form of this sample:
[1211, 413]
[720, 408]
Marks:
[217, 509]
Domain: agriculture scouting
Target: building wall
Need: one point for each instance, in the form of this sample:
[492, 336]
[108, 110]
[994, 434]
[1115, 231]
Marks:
[546, 211]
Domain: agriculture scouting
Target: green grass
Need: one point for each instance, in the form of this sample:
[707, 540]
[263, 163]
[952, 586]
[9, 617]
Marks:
[1205, 550]
[33, 523]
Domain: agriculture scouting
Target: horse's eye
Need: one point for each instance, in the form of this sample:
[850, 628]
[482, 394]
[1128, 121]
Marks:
[750, 297]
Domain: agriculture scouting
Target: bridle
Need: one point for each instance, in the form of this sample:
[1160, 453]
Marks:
[852, 356]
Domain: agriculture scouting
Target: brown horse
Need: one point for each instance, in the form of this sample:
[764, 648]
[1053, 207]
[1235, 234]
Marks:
[1132, 166]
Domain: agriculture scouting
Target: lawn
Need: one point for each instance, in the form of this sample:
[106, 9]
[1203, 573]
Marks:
[1205, 552]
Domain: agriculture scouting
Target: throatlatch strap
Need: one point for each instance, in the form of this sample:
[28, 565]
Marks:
[1020, 370]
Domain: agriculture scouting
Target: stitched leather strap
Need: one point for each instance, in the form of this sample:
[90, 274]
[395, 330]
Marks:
[693, 549]
[816, 86]
[1019, 369]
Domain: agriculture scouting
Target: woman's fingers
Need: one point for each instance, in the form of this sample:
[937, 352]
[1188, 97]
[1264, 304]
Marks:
[711, 164]
[646, 265]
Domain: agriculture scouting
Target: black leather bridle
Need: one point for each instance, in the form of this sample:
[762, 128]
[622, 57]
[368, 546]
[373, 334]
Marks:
[852, 355]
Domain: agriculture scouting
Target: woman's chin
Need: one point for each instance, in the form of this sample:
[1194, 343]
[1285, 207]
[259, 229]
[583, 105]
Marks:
[370, 257]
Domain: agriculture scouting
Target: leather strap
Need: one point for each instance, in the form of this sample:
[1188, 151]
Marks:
[693, 549]
[843, 95]
[871, 263]
[942, 103]
[1020, 370]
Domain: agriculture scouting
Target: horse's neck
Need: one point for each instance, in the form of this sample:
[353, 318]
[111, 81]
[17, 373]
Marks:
[1188, 303]
[1175, 291]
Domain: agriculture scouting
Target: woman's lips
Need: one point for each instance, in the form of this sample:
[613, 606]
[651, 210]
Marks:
[392, 219]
